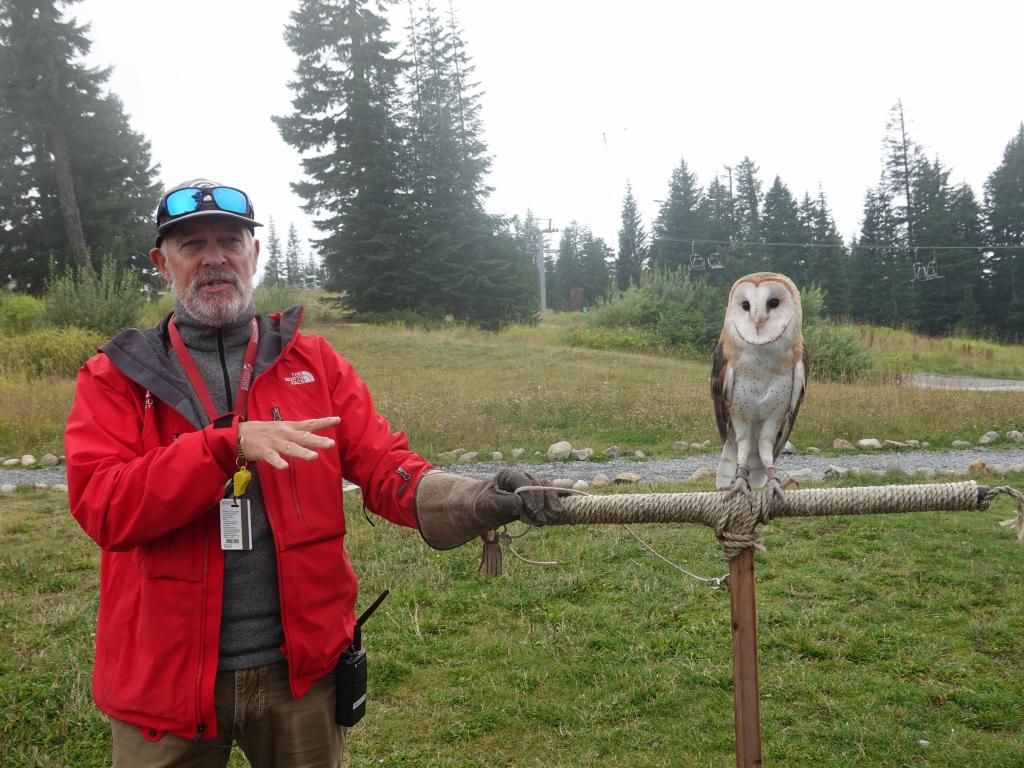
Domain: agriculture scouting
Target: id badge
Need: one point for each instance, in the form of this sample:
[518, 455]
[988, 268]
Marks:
[235, 524]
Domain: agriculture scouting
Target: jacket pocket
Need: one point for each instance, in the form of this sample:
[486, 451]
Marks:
[173, 556]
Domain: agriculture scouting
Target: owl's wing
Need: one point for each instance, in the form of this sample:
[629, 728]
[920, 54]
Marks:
[721, 390]
[796, 400]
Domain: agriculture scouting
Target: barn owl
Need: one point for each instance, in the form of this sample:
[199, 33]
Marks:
[757, 380]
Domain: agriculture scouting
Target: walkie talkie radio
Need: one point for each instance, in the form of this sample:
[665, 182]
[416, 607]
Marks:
[350, 674]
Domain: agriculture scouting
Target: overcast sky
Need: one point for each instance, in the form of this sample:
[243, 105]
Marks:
[579, 98]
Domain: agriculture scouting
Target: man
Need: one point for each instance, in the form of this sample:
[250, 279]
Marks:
[205, 458]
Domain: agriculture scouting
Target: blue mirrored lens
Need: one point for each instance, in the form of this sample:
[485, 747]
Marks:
[184, 201]
[228, 199]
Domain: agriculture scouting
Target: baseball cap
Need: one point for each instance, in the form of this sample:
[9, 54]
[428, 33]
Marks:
[202, 197]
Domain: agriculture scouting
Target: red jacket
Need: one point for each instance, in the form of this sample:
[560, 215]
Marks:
[145, 482]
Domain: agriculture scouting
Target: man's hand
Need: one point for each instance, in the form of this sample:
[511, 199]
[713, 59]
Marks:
[270, 441]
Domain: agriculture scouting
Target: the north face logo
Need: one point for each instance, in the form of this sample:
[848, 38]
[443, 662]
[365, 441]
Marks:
[300, 377]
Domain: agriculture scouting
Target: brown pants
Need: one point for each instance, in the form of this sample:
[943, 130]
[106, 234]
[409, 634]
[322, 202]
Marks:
[255, 708]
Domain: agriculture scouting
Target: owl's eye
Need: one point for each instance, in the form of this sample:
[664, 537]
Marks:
[746, 306]
[773, 303]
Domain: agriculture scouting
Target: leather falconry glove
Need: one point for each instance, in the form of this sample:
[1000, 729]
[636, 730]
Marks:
[452, 509]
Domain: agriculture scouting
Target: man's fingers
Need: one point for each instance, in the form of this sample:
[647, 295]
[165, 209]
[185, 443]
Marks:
[274, 459]
[292, 448]
[315, 425]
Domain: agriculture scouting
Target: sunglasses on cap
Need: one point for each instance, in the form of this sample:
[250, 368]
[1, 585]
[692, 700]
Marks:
[190, 199]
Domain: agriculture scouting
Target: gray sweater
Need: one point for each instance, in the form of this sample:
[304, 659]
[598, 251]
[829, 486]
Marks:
[250, 628]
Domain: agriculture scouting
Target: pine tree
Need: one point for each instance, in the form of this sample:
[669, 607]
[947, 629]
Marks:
[595, 274]
[828, 263]
[466, 262]
[293, 259]
[1004, 225]
[75, 179]
[747, 203]
[633, 246]
[872, 260]
[678, 220]
[780, 223]
[345, 122]
[273, 270]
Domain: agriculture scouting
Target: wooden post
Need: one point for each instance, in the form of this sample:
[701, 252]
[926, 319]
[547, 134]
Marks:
[744, 661]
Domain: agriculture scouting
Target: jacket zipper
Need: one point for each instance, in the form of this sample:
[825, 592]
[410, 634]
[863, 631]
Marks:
[406, 477]
[224, 368]
[200, 725]
[275, 413]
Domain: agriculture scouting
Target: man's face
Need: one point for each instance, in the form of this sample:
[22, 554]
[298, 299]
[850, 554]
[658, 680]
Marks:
[210, 263]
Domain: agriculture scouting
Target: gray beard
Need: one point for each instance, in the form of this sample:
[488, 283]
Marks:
[215, 310]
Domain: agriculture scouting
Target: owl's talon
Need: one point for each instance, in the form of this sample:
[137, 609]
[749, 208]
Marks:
[740, 485]
[775, 492]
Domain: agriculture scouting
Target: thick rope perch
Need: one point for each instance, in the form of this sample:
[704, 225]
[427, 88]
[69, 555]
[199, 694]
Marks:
[735, 520]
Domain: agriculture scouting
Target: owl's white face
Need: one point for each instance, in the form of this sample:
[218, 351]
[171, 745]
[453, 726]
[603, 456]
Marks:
[763, 307]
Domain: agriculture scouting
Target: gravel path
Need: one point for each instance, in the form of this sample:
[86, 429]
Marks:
[934, 381]
[674, 468]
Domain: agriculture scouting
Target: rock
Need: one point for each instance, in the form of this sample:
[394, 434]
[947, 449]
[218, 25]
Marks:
[624, 478]
[28, 460]
[450, 455]
[1015, 436]
[897, 470]
[893, 445]
[612, 452]
[988, 438]
[560, 451]
[961, 444]
[925, 471]
[59, 487]
[976, 467]
[842, 445]
[12, 463]
[469, 457]
[583, 454]
[1016, 469]
[867, 472]
[925, 445]
[696, 447]
[659, 479]
[913, 444]
[705, 444]
[835, 471]
[868, 444]
[600, 480]
[812, 450]
[580, 485]
[680, 445]
[950, 473]
[997, 469]
[702, 474]
[801, 475]
[518, 453]
[789, 448]
[41, 486]
[563, 482]
[48, 460]
[6, 488]
[497, 456]
[538, 454]
[639, 455]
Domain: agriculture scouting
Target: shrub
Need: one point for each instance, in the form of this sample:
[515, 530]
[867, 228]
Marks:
[106, 304]
[276, 298]
[49, 352]
[676, 312]
[836, 352]
[155, 310]
[19, 312]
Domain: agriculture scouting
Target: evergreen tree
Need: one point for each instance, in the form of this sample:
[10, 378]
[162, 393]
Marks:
[75, 179]
[568, 269]
[678, 220]
[1004, 225]
[828, 263]
[872, 258]
[780, 223]
[273, 269]
[293, 259]
[345, 122]
[595, 274]
[748, 202]
[465, 263]
[632, 243]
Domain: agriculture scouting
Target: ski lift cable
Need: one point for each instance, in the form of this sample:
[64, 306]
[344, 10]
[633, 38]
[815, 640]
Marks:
[743, 243]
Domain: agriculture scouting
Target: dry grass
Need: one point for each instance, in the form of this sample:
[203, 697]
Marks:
[901, 351]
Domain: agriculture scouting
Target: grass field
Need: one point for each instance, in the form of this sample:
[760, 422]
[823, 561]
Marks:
[525, 387]
[884, 641]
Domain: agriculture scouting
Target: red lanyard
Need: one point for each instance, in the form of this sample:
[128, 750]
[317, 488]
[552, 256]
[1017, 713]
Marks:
[244, 380]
